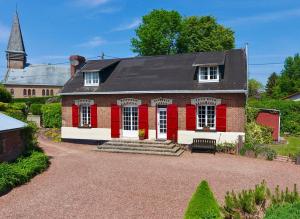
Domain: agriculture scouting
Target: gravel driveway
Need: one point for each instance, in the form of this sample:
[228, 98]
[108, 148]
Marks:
[82, 183]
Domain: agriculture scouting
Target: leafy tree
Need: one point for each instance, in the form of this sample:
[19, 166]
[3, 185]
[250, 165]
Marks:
[254, 88]
[158, 33]
[204, 34]
[271, 84]
[166, 32]
[5, 96]
[289, 82]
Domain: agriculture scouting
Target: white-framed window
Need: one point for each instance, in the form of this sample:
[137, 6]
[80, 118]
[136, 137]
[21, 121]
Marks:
[208, 74]
[85, 115]
[206, 116]
[91, 78]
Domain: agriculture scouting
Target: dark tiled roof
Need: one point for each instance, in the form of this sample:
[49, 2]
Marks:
[96, 64]
[164, 73]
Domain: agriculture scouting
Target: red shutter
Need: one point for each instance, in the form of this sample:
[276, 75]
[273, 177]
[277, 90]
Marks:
[75, 115]
[221, 118]
[143, 118]
[115, 121]
[190, 117]
[94, 119]
[172, 122]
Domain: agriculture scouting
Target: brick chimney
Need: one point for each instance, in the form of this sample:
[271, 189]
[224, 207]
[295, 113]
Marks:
[76, 62]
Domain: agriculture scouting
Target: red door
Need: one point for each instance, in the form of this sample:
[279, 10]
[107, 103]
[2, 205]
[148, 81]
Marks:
[143, 118]
[115, 121]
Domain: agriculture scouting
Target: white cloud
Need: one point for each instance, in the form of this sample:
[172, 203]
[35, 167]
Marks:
[135, 23]
[267, 17]
[92, 3]
[93, 42]
[4, 33]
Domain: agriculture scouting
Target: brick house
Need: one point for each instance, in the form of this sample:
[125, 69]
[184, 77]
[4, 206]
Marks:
[25, 80]
[11, 142]
[176, 97]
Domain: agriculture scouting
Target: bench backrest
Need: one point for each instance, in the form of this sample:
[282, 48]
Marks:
[204, 141]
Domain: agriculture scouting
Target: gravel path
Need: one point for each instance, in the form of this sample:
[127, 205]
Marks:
[82, 183]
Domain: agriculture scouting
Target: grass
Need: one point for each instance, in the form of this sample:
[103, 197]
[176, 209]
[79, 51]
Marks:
[292, 148]
[22, 170]
[203, 204]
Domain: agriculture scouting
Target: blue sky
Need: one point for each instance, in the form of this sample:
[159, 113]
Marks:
[55, 29]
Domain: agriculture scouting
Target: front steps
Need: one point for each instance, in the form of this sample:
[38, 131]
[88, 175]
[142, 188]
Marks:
[150, 147]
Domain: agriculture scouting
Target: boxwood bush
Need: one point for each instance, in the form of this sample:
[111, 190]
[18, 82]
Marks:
[51, 115]
[203, 204]
[36, 109]
[40, 100]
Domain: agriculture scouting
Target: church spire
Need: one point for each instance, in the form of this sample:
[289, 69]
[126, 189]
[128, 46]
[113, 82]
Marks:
[15, 53]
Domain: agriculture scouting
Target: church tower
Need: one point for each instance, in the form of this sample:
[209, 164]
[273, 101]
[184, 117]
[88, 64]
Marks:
[15, 53]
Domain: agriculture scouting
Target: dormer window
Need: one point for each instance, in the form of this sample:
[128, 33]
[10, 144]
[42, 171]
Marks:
[208, 74]
[91, 78]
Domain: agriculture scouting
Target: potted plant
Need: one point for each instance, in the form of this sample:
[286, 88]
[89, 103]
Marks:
[206, 128]
[85, 125]
[141, 134]
[298, 159]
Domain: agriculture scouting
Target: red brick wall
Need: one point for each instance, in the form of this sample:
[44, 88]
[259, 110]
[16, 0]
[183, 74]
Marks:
[270, 120]
[12, 145]
[235, 108]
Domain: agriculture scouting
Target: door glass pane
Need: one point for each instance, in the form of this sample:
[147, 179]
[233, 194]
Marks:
[211, 116]
[134, 118]
[162, 121]
[201, 116]
[130, 118]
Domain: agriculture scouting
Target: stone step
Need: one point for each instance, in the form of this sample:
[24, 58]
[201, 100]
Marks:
[139, 144]
[141, 148]
[146, 141]
[178, 153]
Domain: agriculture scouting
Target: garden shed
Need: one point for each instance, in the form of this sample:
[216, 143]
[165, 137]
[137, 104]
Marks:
[271, 119]
[11, 142]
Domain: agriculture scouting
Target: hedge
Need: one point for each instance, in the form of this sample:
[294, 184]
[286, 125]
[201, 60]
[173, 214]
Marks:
[286, 211]
[203, 204]
[5, 95]
[51, 115]
[36, 109]
[40, 100]
[22, 170]
[289, 113]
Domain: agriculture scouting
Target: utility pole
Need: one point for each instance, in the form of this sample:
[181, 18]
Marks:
[247, 66]
[102, 55]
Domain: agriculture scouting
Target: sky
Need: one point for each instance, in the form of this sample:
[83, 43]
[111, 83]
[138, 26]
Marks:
[55, 29]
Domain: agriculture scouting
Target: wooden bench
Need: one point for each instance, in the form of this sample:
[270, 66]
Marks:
[203, 144]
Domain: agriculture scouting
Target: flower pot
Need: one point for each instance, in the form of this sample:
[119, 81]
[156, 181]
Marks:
[298, 160]
[141, 137]
[206, 129]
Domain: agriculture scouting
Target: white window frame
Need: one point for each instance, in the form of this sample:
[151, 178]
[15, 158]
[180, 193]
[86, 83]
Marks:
[91, 78]
[88, 114]
[206, 117]
[209, 73]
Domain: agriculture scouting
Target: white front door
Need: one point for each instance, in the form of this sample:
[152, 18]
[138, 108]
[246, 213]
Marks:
[162, 123]
[130, 121]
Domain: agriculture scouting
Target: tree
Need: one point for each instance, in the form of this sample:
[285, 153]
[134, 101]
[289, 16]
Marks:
[5, 96]
[254, 88]
[204, 34]
[271, 84]
[166, 32]
[289, 82]
[158, 33]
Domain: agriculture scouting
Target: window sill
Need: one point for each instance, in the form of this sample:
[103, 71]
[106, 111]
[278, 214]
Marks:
[201, 130]
[84, 127]
[208, 81]
[91, 85]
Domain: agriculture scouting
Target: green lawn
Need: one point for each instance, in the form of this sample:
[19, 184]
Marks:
[292, 148]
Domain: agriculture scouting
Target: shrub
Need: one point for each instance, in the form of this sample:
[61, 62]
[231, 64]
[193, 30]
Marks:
[203, 204]
[257, 134]
[268, 153]
[286, 211]
[22, 170]
[226, 147]
[17, 114]
[5, 96]
[36, 108]
[289, 113]
[19, 106]
[286, 196]
[51, 114]
[3, 106]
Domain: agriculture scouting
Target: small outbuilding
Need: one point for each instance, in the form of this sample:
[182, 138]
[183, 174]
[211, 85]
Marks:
[271, 119]
[294, 97]
[11, 142]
